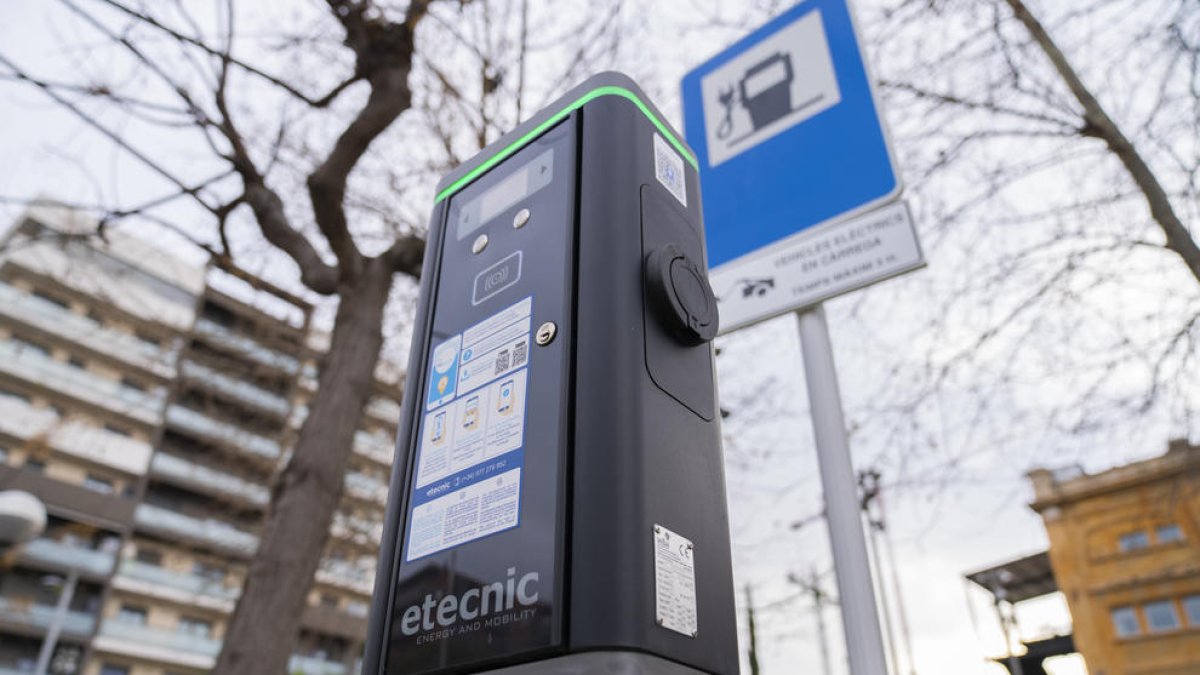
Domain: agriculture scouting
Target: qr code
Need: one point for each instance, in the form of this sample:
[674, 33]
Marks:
[520, 353]
[502, 361]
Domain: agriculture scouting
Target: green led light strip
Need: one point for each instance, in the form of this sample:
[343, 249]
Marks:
[554, 119]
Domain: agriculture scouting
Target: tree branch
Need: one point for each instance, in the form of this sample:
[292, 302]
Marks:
[1097, 123]
[321, 102]
[383, 52]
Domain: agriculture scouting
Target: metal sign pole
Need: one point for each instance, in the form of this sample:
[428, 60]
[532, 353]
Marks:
[864, 640]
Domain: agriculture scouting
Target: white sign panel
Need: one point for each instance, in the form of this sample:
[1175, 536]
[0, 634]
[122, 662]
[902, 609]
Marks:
[820, 264]
[771, 87]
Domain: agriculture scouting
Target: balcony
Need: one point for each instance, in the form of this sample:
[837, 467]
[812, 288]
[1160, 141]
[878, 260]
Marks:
[222, 433]
[357, 530]
[359, 578]
[26, 613]
[385, 410]
[155, 644]
[36, 367]
[21, 420]
[375, 447]
[310, 665]
[53, 319]
[158, 582]
[235, 389]
[245, 347]
[367, 488]
[60, 556]
[209, 481]
[208, 532]
[112, 281]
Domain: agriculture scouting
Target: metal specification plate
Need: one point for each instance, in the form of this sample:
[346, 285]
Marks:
[674, 581]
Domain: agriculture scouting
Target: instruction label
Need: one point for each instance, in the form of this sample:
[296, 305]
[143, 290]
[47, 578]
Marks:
[674, 581]
[668, 168]
[468, 479]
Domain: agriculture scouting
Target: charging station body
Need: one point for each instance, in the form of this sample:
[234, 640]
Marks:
[558, 498]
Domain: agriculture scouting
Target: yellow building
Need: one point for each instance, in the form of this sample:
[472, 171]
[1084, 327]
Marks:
[1125, 548]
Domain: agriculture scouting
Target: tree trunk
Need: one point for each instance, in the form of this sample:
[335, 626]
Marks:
[1097, 123]
[310, 487]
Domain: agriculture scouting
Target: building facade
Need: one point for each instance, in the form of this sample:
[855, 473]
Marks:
[149, 402]
[1125, 548]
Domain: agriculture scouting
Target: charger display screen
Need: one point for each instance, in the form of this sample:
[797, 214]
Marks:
[521, 183]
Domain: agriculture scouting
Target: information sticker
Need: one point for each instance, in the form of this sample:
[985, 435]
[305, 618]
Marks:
[468, 477]
[674, 582]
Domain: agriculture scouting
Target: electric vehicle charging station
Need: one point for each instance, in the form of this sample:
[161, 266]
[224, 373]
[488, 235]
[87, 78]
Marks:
[557, 503]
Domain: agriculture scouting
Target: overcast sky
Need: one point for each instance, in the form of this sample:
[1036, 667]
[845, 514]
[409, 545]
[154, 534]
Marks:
[940, 528]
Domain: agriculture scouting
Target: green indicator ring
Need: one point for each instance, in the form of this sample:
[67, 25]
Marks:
[521, 142]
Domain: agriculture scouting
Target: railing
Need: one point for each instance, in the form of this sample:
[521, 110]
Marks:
[223, 433]
[309, 665]
[360, 578]
[245, 346]
[33, 366]
[367, 488]
[110, 280]
[357, 529]
[187, 583]
[41, 616]
[384, 409]
[210, 480]
[209, 531]
[235, 389]
[157, 637]
[51, 318]
[374, 446]
[21, 420]
[56, 553]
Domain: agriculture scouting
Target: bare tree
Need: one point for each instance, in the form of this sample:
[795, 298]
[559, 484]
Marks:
[1054, 157]
[311, 132]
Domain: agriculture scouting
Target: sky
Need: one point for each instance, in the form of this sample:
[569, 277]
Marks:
[941, 524]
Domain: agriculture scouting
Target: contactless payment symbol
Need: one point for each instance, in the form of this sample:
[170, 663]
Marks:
[443, 372]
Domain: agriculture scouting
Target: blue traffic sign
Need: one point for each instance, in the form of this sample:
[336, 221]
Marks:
[787, 132]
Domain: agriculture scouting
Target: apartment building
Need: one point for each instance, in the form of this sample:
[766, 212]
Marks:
[1125, 551]
[149, 401]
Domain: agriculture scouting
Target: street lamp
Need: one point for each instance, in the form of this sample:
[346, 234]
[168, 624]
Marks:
[22, 517]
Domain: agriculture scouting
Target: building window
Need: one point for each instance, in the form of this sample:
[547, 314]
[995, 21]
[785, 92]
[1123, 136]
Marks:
[1125, 621]
[133, 384]
[1166, 534]
[193, 626]
[210, 573]
[76, 362]
[26, 345]
[146, 338]
[98, 484]
[3, 455]
[132, 614]
[149, 556]
[1133, 541]
[328, 600]
[1191, 609]
[12, 394]
[117, 429]
[110, 669]
[35, 465]
[50, 299]
[1161, 616]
